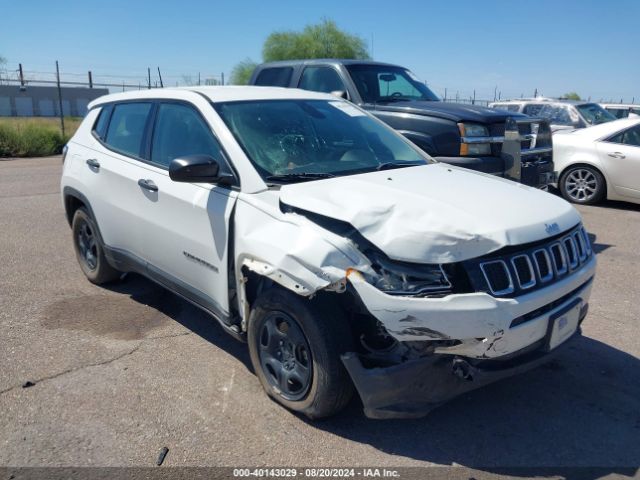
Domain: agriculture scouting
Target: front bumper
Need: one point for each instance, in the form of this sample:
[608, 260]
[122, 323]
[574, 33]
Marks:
[413, 389]
[480, 322]
[479, 339]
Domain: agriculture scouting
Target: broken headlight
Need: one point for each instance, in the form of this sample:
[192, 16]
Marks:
[401, 278]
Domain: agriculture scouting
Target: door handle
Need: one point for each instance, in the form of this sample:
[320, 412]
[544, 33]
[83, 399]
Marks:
[93, 163]
[616, 155]
[148, 185]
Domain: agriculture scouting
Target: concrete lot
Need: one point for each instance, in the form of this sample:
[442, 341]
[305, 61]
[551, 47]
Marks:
[121, 372]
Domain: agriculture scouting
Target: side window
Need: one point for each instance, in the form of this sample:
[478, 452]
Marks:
[321, 79]
[532, 109]
[274, 77]
[630, 136]
[126, 127]
[100, 127]
[180, 131]
[618, 112]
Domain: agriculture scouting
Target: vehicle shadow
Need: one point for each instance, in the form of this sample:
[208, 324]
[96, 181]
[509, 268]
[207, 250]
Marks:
[580, 410]
[597, 247]
[618, 205]
[144, 291]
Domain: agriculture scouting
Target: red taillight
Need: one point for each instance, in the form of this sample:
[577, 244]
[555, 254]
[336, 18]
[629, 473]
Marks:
[65, 149]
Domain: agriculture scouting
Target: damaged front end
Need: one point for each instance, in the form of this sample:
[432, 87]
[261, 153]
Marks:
[427, 325]
[440, 346]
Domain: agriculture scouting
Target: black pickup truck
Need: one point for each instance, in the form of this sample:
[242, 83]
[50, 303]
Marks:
[506, 144]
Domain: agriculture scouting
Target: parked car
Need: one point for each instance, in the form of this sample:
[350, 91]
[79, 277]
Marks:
[622, 110]
[561, 114]
[600, 162]
[342, 253]
[479, 138]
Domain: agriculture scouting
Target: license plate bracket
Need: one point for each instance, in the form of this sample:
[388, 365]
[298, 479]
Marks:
[563, 324]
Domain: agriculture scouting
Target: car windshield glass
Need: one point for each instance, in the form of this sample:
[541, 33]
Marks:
[380, 83]
[594, 114]
[297, 140]
[558, 114]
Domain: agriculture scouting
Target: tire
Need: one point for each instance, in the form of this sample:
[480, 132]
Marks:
[583, 185]
[307, 324]
[89, 249]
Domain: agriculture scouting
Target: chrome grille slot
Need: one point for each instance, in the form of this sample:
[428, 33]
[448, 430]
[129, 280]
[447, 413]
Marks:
[559, 259]
[498, 277]
[579, 241]
[587, 241]
[572, 253]
[543, 265]
[539, 265]
[524, 271]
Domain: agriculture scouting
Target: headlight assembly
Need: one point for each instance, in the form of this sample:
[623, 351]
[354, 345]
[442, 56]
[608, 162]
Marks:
[474, 139]
[401, 278]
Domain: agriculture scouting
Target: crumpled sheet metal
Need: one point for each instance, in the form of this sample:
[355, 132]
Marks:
[431, 214]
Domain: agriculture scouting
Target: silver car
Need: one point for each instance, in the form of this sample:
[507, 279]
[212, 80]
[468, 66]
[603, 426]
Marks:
[562, 114]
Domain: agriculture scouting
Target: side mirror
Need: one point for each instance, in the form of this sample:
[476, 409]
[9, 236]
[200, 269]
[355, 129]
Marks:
[198, 169]
[341, 94]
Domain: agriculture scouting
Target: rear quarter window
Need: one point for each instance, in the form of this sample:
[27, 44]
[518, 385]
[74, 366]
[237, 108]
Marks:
[102, 122]
[274, 77]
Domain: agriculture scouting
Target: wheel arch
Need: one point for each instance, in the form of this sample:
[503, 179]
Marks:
[73, 200]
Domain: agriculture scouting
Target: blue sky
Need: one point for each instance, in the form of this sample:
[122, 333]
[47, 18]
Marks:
[588, 46]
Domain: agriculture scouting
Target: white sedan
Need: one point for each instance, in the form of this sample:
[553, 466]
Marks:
[599, 162]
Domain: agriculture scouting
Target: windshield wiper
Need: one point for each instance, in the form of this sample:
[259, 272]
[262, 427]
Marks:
[392, 165]
[302, 176]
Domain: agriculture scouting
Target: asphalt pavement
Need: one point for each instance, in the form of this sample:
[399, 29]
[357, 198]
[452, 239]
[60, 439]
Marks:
[118, 373]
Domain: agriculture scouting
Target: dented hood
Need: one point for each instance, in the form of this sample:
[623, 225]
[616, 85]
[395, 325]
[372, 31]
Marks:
[435, 213]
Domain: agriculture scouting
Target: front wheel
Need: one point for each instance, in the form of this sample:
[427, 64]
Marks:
[583, 185]
[295, 346]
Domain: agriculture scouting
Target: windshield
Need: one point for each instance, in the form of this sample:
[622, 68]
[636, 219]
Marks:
[380, 83]
[288, 140]
[594, 114]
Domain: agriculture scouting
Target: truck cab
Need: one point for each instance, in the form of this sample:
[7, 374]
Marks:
[509, 145]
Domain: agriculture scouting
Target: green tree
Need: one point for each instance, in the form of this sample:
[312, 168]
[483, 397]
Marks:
[241, 73]
[571, 96]
[323, 40]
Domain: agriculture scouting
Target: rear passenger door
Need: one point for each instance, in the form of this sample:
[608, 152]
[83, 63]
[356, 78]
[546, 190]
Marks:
[185, 226]
[113, 168]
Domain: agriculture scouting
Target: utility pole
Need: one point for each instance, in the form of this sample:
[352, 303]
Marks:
[90, 80]
[198, 78]
[474, 97]
[160, 76]
[445, 94]
[59, 95]
[495, 90]
[149, 77]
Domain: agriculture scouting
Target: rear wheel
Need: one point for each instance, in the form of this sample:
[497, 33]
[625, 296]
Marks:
[582, 184]
[295, 346]
[89, 249]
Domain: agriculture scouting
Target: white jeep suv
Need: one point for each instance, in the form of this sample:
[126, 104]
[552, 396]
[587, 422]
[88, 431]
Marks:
[344, 255]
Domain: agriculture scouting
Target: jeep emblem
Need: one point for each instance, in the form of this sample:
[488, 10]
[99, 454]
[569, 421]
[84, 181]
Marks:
[552, 228]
